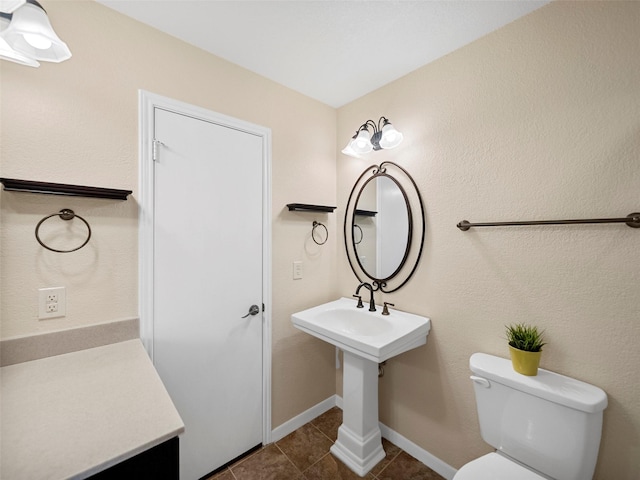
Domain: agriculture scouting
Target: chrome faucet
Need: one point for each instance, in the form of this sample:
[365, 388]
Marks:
[372, 303]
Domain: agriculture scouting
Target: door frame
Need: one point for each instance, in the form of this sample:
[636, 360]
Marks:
[147, 102]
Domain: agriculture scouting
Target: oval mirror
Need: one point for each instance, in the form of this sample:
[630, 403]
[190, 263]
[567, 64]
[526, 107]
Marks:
[384, 227]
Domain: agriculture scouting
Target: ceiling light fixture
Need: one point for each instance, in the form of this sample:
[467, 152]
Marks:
[385, 136]
[29, 36]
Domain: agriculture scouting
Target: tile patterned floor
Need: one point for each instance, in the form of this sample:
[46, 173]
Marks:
[304, 455]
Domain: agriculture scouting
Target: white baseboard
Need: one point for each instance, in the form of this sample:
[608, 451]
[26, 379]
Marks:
[417, 452]
[296, 422]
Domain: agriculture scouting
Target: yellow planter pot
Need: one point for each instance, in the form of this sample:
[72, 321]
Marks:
[524, 362]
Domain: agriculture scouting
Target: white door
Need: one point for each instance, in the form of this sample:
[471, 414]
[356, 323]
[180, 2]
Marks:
[207, 273]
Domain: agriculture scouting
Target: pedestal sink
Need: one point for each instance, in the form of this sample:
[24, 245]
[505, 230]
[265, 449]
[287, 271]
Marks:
[366, 339]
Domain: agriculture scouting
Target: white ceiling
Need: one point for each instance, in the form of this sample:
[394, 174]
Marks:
[332, 50]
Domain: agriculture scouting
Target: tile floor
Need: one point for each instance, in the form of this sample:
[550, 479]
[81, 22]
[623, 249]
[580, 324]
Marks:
[304, 455]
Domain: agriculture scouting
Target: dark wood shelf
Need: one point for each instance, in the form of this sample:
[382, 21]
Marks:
[304, 207]
[30, 186]
[366, 213]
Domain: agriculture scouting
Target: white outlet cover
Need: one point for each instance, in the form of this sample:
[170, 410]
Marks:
[43, 296]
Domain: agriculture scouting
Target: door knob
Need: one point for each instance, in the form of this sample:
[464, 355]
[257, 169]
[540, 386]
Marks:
[253, 310]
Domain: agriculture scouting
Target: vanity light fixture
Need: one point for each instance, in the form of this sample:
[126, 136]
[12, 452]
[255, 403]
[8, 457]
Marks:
[8, 53]
[384, 136]
[26, 35]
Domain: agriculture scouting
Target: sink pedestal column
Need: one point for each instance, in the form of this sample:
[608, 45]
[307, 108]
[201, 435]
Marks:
[359, 443]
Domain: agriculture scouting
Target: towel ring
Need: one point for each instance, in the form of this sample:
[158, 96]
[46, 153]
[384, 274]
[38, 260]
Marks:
[355, 225]
[315, 224]
[64, 214]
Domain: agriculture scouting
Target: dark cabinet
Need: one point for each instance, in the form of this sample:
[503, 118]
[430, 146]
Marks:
[157, 463]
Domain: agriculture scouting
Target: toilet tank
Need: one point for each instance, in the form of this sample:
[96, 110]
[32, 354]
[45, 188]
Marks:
[549, 422]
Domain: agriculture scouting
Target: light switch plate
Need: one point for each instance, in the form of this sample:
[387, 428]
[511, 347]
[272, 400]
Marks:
[297, 270]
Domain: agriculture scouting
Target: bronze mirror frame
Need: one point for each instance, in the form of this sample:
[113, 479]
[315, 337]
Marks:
[416, 227]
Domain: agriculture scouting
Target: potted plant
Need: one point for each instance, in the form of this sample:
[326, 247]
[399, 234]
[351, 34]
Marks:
[525, 346]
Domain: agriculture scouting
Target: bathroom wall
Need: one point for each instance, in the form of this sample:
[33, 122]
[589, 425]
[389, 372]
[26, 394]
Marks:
[538, 120]
[77, 122]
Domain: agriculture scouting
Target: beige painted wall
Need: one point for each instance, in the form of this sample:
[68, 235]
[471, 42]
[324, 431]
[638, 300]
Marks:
[538, 120]
[77, 122]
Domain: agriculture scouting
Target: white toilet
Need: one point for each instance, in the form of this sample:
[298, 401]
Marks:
[543, 427]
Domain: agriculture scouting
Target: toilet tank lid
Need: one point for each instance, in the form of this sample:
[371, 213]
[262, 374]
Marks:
[548, 385]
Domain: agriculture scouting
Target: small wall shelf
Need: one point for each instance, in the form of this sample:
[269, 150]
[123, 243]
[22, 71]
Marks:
[14, 185]
[365, 213]
[304, 207]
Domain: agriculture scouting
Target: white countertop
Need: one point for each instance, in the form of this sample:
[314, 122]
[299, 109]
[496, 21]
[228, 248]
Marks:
[73, 415]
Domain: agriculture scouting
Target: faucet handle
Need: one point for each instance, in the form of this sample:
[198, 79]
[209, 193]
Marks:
[385, 309]
[360, 305]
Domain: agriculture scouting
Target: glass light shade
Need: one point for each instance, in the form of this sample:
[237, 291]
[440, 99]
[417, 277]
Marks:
[362, 142]
[8, 53]
[9, 6]
[37, 41]
[349, 151]
[390, 136]
[31, 34]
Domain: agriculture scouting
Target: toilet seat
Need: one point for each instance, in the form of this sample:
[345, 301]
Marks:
[494, 466]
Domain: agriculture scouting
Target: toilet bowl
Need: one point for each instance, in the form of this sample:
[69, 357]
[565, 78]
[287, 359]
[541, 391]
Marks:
[494, 466]
[543, 427]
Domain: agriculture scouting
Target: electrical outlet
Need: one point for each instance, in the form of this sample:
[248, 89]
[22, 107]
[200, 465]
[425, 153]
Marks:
[52, 302]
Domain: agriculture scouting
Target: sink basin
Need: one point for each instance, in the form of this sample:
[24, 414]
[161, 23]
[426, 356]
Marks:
[370, 335]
